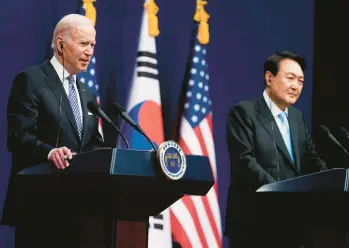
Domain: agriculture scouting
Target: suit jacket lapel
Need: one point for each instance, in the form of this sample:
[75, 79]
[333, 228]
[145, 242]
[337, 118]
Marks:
[55, 84]
[82, 94]
[267, 120]
[294, 137]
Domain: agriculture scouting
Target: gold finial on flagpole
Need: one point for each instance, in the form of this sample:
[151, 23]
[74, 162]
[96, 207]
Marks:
[152, 10]
[202, 16]
[90, 10]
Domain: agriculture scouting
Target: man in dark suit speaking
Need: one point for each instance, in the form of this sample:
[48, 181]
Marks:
[48, 117]
[268, 142]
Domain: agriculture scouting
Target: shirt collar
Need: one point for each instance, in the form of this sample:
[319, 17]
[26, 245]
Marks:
[275, 110]
[59, 69]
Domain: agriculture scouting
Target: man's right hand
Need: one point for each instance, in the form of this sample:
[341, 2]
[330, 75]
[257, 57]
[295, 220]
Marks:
[60, 156]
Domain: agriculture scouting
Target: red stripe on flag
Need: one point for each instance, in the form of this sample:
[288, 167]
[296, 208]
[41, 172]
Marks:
[204, 148]
[188, 202]
[179, 235]
[212, 220]
[198, 133]
[200, 137]
[209, 120]
[184, 146]
[208, 209]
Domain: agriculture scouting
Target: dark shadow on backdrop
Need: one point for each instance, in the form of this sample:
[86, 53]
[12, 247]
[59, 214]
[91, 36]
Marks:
[330, 90]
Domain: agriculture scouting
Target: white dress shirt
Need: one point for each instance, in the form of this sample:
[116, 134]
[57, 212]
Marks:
[275, 110]
[59, 70]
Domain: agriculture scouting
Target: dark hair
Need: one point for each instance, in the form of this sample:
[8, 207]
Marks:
[273, 62]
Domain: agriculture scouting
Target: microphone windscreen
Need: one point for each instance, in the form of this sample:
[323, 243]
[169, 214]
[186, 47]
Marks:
[118, 107]
[93, 106]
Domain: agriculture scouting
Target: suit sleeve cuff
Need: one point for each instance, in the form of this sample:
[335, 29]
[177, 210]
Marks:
[49, 154]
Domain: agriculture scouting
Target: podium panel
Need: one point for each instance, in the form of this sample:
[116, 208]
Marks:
[125, 184]
[313, 204]
[334, 180]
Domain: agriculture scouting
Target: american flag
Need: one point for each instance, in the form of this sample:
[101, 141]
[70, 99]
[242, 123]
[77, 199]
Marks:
[196, 220]
[89, 78]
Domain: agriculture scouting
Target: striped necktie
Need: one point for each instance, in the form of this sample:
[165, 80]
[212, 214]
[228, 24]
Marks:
[74, 103]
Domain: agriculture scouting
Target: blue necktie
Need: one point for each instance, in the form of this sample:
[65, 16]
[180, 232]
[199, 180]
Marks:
[285, 131]
[74, 103]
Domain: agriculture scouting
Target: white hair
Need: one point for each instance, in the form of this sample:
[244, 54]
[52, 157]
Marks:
[65, 25]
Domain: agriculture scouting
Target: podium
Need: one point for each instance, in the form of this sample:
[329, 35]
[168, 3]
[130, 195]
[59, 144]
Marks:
[315, 204]
[127, 185]
[334, 181]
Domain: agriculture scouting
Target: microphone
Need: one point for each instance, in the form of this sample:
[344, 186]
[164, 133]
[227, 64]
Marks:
[60, 100]
[121, 111]
[94, 107]
[274, 142]
[346, 133]
[334, 140]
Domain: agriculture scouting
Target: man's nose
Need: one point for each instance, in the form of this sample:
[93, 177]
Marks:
[89, 50]
[295, 85]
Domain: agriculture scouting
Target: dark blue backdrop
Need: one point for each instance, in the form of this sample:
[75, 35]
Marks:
[243, 34]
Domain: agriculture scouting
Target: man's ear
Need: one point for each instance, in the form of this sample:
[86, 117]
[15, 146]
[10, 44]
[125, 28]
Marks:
[268, 76]
[59, 44]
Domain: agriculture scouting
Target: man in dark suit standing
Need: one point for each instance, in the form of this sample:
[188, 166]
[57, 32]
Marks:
[48, 119]
[268, 142]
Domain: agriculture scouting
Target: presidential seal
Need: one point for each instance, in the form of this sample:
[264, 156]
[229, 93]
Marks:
[172, 160]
